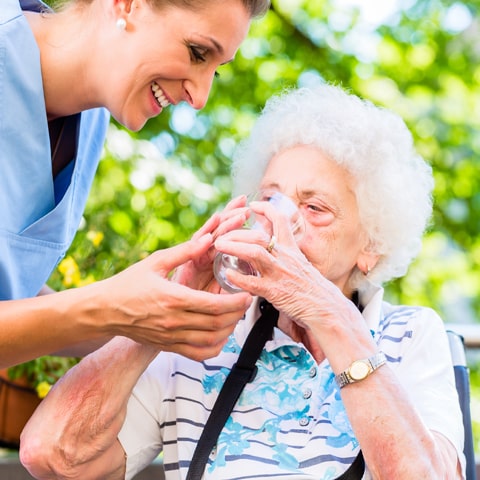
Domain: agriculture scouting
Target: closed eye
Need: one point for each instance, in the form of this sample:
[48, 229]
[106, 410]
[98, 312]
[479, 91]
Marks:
[197, 54]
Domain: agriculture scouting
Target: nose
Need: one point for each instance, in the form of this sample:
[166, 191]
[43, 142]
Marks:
[196, 91]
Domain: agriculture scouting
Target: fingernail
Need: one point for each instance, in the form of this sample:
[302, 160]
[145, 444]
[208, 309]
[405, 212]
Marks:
[207, 237]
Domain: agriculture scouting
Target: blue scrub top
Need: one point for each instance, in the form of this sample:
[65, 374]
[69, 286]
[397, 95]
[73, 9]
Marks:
[35, 228]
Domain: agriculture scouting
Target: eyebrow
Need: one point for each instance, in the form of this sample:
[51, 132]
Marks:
[217, 46]
[302, 194]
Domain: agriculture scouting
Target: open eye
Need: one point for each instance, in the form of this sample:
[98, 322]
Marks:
[318, 213]
[314, 208]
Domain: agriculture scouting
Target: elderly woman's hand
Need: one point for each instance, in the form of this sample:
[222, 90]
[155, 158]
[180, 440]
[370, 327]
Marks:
[283, 269]
[309, 303]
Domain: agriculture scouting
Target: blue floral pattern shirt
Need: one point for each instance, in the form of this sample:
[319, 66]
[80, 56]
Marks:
[290, 422]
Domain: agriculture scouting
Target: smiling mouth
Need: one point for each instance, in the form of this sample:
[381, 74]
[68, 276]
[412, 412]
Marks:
[159, 95]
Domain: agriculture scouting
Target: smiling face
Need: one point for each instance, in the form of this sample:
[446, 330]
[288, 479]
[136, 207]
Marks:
[169, 55]
[334, 241]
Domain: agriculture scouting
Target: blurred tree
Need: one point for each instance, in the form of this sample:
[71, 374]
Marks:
[420, 58]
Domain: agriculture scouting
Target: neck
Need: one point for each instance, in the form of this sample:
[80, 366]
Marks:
[63, 62]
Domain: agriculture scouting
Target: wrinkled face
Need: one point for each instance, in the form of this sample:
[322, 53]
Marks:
[170, 55]
[334, 241]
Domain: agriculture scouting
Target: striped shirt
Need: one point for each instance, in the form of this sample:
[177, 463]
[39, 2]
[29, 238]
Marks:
[290, 422]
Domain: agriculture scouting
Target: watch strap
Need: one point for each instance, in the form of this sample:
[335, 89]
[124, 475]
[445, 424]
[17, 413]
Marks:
[372, 363]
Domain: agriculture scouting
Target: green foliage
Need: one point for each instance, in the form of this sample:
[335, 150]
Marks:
[44, 369]
[475, 404]
[156, 187]
[41, 373]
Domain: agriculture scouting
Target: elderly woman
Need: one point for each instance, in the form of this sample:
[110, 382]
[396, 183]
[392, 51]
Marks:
[344, 371]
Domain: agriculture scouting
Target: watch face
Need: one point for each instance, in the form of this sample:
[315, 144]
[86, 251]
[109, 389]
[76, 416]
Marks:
[359, 370]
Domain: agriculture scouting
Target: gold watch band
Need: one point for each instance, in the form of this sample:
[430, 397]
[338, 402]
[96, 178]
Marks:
[360, 369]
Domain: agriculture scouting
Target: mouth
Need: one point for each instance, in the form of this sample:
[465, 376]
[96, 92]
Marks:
[159, 95]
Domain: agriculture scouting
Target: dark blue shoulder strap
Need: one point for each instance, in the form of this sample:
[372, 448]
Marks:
[34, 6]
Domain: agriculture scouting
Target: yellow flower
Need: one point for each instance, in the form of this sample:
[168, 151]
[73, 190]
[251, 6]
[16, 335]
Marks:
[42, 389]
[86, 281]
[69, 269]
[95, 237]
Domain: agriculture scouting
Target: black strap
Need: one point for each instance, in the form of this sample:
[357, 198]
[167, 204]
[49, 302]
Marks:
[243, 372]
[356, 470]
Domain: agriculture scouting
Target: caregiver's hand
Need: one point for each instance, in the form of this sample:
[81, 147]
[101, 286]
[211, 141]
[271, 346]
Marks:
[144, 304]
[197, 273]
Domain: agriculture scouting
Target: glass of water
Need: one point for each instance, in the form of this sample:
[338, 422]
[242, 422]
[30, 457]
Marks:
[282, 203]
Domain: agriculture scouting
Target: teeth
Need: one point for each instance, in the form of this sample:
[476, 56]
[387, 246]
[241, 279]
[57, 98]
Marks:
[159, 95]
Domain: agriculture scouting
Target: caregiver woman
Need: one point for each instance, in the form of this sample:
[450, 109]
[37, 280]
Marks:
[61, 76]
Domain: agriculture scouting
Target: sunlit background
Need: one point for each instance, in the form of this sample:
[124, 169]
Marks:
[419, 58]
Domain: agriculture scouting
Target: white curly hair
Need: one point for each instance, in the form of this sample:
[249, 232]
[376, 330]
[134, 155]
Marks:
[393, 184]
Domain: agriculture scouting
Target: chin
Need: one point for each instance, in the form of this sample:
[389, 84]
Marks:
[132, 124]
[135, 126]
[136, 129]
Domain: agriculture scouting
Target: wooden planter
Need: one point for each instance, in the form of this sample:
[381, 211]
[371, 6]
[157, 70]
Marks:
[17, 403]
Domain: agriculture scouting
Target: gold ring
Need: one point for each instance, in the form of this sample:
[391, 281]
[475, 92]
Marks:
[271, 244]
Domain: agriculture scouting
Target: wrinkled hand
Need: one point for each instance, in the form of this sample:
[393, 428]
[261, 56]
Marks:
[197, 273]
[280, 270]
[143, 304]
[308, 302]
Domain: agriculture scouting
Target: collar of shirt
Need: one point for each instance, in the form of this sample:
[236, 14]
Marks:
[371, 298]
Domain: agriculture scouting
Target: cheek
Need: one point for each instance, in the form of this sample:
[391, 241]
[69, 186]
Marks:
[316, 246]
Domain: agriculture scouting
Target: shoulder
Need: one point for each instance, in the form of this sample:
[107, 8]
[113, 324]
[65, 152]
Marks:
[404, 329]
[10, 10]
[414, 316]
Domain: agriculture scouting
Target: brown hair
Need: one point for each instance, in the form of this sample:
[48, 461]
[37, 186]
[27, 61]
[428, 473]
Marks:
[256, 8]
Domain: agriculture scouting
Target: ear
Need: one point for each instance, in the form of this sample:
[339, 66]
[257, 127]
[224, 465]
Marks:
[367, 259]
[122, 7]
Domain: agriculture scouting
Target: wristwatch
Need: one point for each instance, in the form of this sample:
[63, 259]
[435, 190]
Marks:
[360, 369]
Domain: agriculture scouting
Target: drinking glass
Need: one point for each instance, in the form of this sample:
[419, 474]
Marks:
[283, 204]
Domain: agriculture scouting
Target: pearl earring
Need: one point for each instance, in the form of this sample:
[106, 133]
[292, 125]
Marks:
[121, 24]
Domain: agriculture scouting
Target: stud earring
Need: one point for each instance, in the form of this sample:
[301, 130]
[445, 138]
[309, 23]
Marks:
[121, 24]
